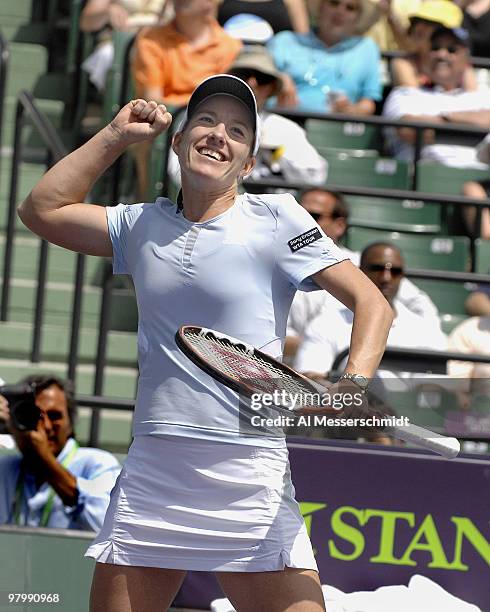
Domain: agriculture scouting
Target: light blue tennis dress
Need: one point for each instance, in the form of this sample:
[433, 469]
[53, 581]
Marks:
[194, 493]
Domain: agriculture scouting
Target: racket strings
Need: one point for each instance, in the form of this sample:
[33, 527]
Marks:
[236, 361]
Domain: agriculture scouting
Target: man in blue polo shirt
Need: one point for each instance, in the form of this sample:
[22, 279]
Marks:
[334, 69]
[54, 482]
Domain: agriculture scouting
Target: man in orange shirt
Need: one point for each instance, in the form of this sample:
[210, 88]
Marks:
[171, 60]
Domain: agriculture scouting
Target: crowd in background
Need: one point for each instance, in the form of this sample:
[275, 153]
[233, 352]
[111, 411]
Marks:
[325, 56]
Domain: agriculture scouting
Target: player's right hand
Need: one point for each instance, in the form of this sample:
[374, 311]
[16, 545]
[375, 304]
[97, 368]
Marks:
[140, 120]
[4, 409]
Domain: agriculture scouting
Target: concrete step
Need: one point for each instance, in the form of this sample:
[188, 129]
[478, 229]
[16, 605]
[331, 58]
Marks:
[58, 304]
[61, 262]
[114, 429]
[29, 175]
[16, 342]
[118, 381]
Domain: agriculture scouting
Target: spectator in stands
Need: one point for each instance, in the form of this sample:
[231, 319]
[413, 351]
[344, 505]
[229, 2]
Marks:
[479, 191]
[335, 69]
[478, 302]
[327, 336]
[55, 482]
[171, 60]
[103, 16]
[280, 14]
[414, 70]
[445, 102]
[331, 212]
[284, 149]
[472, 337]
[477, 22]
[387, 24]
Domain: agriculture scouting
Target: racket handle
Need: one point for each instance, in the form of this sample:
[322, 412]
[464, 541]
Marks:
[414, 434]
[442, 445]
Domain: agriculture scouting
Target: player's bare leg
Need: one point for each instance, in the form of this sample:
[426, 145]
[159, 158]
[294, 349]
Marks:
[120, 588]
[289, 590]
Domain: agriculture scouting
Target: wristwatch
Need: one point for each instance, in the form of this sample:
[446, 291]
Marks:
[361, 381]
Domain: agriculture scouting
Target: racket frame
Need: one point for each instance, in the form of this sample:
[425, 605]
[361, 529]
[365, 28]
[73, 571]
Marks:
[237, 384]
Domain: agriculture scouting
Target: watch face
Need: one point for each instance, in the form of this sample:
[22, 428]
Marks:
[361, 381]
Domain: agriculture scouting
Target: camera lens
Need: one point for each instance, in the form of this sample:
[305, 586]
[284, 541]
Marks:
[25, 415]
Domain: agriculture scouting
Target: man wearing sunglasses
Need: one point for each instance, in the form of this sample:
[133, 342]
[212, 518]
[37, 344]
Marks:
[445, 101]
[53, 482]
[330, 210]
[328, 335]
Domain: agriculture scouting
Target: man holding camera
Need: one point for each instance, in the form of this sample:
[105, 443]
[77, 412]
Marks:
[54, 482]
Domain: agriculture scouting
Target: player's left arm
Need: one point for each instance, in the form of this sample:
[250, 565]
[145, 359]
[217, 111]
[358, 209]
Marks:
[373, 315]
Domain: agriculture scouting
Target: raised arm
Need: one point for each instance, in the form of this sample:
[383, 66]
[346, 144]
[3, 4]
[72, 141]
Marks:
[372, 314]
[55, 210]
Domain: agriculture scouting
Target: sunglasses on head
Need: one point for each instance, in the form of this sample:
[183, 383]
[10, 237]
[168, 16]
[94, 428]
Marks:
[351, 7]
[378, 268]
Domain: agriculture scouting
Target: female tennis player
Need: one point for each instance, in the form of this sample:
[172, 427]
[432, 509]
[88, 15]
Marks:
[194, 493]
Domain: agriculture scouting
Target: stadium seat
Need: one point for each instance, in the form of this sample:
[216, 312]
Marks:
[449, 296]
[36, 33]
[16, 11]
[450, 321]
[482, 256]
[368, 172]
[480, 404]
[419, 251]
[396, 215]
[342, 135]
[426, 407]
[436, 178]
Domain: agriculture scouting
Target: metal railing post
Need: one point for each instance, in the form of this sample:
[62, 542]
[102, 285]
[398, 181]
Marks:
[100, 361]
[76, 317]
[11, 213]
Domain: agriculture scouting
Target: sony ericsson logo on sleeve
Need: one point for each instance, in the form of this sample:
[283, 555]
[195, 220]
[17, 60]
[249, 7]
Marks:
[295, 244]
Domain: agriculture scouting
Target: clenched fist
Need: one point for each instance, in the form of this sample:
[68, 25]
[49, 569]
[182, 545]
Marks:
[140, 120]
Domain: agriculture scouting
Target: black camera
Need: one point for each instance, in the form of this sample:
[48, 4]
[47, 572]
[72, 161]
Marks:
[24, 414]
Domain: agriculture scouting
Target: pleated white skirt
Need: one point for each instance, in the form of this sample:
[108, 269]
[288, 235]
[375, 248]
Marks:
[181, 503]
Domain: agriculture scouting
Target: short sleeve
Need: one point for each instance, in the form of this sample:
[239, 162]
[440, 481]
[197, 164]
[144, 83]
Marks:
[397, 103]
[120, 221]
[371, 86]
[302, 249]
[279, 47]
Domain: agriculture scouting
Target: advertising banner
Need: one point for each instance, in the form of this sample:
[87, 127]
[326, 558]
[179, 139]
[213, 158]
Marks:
[378, 516]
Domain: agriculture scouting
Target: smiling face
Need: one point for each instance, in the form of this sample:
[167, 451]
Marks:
[215, 146]
[448, 61]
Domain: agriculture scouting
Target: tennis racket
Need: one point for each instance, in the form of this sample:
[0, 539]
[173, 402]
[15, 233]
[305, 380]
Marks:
[249, 372]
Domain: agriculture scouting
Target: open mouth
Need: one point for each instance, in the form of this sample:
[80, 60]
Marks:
[211, 154]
